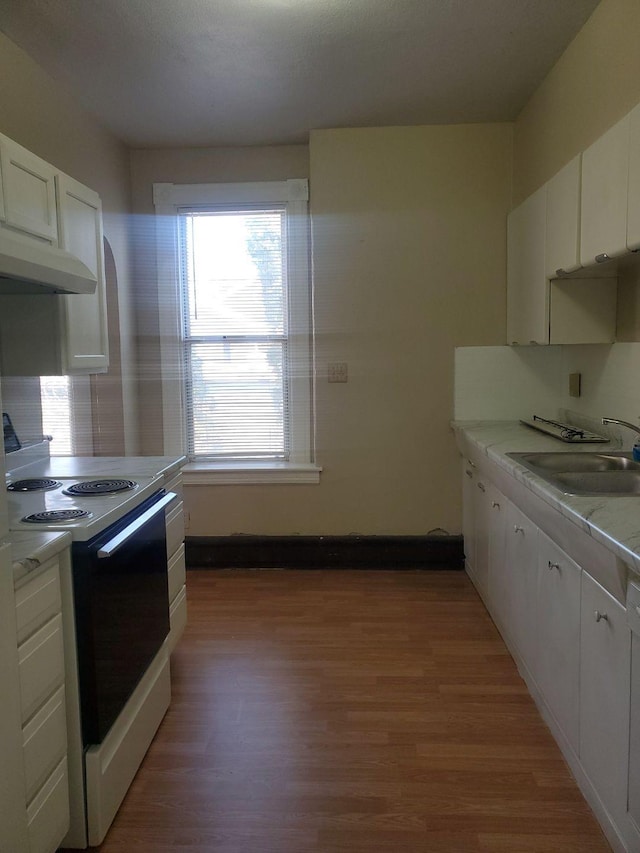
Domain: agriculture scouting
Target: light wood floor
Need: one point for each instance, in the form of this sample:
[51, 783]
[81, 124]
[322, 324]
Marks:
[348, 711]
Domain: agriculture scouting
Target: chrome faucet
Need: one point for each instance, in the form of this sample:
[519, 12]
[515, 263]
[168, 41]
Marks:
[621, 423]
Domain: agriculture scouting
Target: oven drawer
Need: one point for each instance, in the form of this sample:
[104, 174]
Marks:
[48, 812]
[37, 601]
[177, 573]
[41, 666]
[44, 742]
[175, 528]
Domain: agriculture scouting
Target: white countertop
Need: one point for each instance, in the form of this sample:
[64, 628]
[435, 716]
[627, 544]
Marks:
[121, 466]
[612, 521]
[30, 550]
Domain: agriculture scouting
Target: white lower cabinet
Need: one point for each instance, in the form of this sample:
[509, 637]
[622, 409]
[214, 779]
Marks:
[469, 516]
[605, 655]
[572, 640]
[484, 513]
[557, 666]
[520, 594]
[39, 648]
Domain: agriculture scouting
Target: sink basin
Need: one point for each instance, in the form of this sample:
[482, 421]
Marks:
[610, 483]
[577, 462]
[596, 474]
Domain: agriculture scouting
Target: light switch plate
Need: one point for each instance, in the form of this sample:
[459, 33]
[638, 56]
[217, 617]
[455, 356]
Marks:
[338, 371]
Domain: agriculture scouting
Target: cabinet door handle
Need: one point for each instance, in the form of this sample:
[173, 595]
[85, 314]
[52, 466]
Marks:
[473, 464]
[551, 565]
[600, 616]
[518, 529]
[495, 505]
[469, 473]
[603, 258]
[481, 487]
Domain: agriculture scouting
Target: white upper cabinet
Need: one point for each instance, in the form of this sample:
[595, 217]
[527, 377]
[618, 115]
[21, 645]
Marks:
[633, 200]
[605, 177]
[62, 335]
[527, 303]
[28, 185]
[543, 234]
[562, 245]
[86, 344]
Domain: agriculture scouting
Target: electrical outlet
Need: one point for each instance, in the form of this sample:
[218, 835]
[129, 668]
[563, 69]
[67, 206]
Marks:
[575, 381]
[338, 371]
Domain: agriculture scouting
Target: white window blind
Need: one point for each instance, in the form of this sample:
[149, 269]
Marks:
[235, 309]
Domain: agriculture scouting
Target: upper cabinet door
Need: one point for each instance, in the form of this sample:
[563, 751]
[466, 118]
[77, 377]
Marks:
[562, 249]
[605, 173]
[29, 192]
[85, 326]
[527, 287]
[633, 201]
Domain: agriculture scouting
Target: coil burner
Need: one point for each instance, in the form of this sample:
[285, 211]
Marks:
[57, 515]
[91, 488]
[39, 484]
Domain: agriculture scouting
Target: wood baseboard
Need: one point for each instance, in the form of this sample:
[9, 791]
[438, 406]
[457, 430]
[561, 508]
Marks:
[324, 552]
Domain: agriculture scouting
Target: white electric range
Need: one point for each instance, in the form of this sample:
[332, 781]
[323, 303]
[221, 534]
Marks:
[82, 506]
[116, 610]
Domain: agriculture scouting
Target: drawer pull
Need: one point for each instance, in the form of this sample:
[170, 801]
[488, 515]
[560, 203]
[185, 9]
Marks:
[481, 487]
[469, 473]
[518, 529]
[553, 565]
[600, 616]
[473, 464]
[495, 505]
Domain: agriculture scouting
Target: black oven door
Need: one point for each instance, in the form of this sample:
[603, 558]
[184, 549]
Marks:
[121, 610]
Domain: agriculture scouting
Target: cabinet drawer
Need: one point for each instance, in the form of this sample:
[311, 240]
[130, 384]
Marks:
[44, 742]
[37, 601]
[177, 573]
[41, 666]
[48, 812]
[175, 528]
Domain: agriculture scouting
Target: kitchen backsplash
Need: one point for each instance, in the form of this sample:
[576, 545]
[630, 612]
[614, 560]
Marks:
[505, 383]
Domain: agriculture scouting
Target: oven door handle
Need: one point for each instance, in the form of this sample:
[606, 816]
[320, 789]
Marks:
[130, 530]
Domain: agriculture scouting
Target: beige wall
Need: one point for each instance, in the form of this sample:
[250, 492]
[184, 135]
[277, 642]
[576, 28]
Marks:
[39, 114]
[409, 260]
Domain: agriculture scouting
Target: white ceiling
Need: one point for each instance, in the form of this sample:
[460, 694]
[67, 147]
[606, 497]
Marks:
[258, 72]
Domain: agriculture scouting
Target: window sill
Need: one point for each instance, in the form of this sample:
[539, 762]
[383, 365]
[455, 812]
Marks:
[245, 473]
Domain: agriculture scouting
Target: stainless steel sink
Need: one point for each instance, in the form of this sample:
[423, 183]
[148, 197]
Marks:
[597, 474]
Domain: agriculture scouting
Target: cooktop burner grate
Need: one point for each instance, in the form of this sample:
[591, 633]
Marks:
[100, 487]
[35, 484]
[56, 515]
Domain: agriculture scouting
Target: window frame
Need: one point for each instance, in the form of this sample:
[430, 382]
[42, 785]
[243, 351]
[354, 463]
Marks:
[293, 195]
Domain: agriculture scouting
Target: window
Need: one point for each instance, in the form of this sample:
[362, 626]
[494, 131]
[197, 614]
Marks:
[66, 414]
[55, 396]
[236, 323]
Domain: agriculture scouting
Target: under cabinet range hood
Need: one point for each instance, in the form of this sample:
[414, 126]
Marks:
[27, 267]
